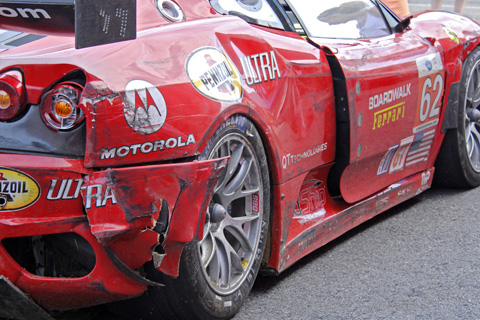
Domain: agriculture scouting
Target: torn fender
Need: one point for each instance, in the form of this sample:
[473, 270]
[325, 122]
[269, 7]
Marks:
[124, 205]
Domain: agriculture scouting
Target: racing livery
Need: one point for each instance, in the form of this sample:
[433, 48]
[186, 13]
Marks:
[169, 150]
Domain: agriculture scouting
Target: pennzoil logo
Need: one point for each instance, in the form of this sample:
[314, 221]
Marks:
[17, 190]
[214, 75]
[145, 109]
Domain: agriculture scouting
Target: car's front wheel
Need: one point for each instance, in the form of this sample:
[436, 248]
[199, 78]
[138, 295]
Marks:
[218, 270]
[458, 164]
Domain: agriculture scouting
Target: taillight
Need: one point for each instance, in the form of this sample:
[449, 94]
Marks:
[12, 94]
[59, 106]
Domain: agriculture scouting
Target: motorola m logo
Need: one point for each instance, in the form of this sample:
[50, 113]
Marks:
[25, 13]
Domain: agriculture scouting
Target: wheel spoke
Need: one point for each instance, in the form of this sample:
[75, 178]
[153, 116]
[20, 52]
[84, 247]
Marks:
[235, 227]
[476, 78]
[475, 99]
[232, 165]
[208, 248]
[474, 155]
[234, 160]
[224, 262]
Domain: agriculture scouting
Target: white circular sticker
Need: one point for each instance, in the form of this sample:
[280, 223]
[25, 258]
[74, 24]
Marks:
[145, 110]
[214, 75]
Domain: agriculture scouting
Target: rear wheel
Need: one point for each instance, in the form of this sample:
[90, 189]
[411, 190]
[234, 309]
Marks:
[458, 164]
[218, 271]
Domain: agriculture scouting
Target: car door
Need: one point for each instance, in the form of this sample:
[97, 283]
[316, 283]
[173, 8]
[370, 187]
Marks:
[394, 84]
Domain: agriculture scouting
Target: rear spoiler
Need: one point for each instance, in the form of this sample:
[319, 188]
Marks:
[92, 22]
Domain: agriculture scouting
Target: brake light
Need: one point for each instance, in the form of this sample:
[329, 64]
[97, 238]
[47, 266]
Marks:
[12, 94]
[59, 107]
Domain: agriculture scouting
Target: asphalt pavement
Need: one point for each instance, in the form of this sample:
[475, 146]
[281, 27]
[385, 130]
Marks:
[420, 260]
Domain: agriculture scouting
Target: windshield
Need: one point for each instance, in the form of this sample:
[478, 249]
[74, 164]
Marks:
[344, 19]
[257, 11]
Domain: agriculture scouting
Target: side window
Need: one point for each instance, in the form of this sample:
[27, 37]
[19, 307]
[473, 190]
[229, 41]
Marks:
[344, 19]
[254, 11]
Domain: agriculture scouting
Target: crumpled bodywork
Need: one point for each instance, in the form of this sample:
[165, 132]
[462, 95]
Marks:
[118, 228]
[124, 207]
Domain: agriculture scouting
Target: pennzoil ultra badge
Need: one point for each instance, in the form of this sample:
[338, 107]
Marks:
[214, 75]
[17, 190]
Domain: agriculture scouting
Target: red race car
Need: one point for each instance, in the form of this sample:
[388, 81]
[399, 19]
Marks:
[171, 149]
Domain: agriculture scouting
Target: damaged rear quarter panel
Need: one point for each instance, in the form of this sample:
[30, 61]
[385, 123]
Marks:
[123, 206]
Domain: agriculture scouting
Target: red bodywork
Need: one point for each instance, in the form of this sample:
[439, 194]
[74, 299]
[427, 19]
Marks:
[113, 196]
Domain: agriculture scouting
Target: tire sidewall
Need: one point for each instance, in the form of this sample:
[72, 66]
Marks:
[471, 176]
[206, 302]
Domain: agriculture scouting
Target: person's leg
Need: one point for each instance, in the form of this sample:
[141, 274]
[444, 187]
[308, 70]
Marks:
[459, 5]
[436, 4]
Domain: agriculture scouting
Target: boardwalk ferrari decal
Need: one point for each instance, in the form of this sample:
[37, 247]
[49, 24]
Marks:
[17, 190]
[214, 75]
[392, 113]
[145, 109]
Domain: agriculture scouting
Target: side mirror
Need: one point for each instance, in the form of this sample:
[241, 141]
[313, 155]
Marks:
[403, 25]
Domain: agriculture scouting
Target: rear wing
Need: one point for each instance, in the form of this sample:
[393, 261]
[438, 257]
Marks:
[92, 22]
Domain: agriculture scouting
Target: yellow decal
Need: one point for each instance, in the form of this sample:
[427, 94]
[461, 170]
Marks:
[389, 115]
[17, 190]
[214, 75]
[451, 34]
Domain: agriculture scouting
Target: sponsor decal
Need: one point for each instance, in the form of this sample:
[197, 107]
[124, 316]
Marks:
[424, 182]
[145, 110]
[386, 160]
[426, 177]
[451, 34]
[420, 147]
[388, 115]
[382, 204]
[255, 203]
[410, 151]
[431, 74]
[65, 189]
[146, 147]
[260, 68]
[17, 190]
[25, 13]
[389, 96]
[311, 202]
[398, 159]
[237, 121]
[99, 195]
[68, 189]
[290, 159]
[405, 193]
[213, 74]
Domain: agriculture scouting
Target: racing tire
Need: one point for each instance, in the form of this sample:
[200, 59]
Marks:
[217, 272]
[458, 163]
